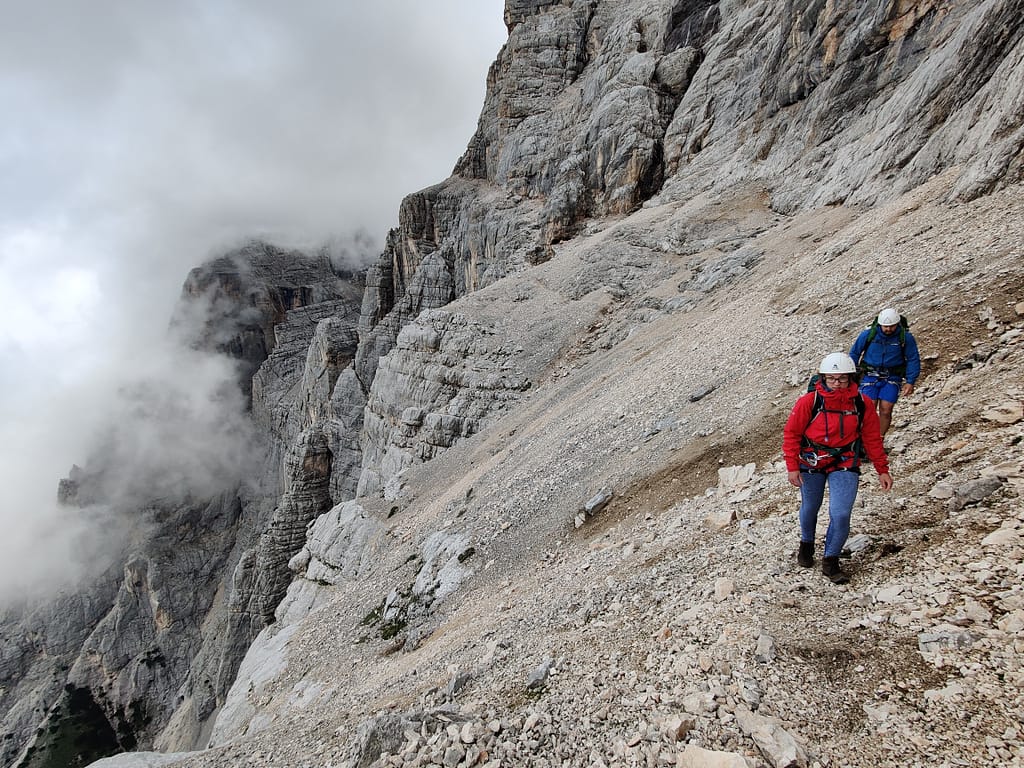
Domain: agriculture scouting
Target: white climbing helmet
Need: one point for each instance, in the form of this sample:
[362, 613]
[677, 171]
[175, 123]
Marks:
[889, 316]
[837, 362]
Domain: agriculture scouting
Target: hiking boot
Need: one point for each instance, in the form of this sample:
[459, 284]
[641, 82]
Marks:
[830, 567]
[805, 555]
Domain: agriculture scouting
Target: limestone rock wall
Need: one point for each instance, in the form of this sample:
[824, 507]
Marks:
[39, 643]
[307, 471]
[151, 647]
[141, 652]
[452, 239]
[123, 646]
[854, 101]
[593, 108]
[445, 375]
[313, 345]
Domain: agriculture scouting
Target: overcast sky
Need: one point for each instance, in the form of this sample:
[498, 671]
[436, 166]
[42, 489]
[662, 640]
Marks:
[138, 137]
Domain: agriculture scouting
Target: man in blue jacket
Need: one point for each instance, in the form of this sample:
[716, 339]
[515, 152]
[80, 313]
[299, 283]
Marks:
[886, 354]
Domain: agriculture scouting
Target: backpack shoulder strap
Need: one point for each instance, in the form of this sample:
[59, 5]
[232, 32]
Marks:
[816, 407]
[872, 332]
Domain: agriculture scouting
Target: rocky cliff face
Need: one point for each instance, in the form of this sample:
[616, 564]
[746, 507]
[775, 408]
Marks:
[663, 206]
[149, 646]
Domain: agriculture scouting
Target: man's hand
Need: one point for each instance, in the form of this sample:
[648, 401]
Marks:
[907, 389]
[885, 480]
[795, 479]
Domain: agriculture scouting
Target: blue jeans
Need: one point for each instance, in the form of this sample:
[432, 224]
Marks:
[842, 492]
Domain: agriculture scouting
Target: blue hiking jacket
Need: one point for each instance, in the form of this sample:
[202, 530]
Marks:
[884, 353]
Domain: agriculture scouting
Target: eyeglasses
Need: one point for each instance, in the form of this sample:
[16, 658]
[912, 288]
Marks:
[838, 379]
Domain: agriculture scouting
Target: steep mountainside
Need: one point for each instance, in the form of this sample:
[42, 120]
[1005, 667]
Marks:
[670, 211]
[481, 617]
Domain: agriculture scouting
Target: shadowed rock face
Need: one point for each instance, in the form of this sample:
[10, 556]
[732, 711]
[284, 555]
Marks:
[594, 110]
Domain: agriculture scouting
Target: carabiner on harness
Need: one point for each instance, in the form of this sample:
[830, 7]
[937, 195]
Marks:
[810, 458]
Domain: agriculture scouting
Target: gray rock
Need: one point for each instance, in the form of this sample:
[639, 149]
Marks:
[598, 501]
[765, 650]
[974, 491]
[234, 303]
[381, 734]
[859, 542]
[443, 379]
[539, 676]
[141, 760]
[944, 637]
[698, 757]
[456, 684]
[307, 467]
[453, 755]
[340, 543]
[702, 393]
[750, 692]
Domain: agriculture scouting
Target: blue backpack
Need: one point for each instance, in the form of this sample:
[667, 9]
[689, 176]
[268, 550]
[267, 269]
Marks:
[873, 330]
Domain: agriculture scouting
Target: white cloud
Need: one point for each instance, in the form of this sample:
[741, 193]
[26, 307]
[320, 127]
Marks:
[42, 318]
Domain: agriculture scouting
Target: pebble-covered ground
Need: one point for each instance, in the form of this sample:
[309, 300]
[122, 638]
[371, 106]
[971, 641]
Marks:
[673, 627]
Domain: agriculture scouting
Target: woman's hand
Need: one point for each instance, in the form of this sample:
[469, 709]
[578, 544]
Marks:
[795, 479]
[885, 480]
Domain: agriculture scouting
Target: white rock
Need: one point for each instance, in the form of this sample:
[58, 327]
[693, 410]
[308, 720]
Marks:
[731, 478]
[696, 757]
[942, 491]
[878, 713]
[774, 741]
[717, 519]
[1003, 537]
[889, 594]
[951, 691]
[1005, 413]
[1012, 623]
[724, 586]
[141, 760]
[699, 703]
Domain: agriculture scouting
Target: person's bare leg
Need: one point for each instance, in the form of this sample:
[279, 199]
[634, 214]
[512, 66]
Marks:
[884, 415]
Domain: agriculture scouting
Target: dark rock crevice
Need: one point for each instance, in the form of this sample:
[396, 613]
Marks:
[691, 24]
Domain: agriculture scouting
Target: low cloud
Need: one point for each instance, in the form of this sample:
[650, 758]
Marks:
[175, 432]
[178, 432]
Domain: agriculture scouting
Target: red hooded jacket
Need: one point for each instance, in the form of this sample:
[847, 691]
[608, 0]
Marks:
[835, 426]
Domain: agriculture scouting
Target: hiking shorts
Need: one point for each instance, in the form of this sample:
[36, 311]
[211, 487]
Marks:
[880, 388]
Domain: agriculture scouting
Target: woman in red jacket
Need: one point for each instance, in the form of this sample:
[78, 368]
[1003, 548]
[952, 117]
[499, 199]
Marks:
[822, 443]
